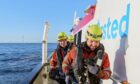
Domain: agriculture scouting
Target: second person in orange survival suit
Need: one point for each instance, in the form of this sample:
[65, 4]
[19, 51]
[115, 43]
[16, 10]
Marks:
[58, 55]
[88, 58]
[70, 77]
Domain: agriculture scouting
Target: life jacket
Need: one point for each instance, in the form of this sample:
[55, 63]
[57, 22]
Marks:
[61, 53]
[86, 56]
[57, 72]
[91, 57]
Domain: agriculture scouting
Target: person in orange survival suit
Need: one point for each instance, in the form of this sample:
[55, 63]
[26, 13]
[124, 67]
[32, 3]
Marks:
[58, 55]
[88, 58]
[70, 78]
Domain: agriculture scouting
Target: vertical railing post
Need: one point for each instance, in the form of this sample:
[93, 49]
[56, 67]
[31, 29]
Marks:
[44, 43]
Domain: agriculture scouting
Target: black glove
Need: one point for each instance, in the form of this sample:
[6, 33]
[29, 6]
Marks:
[54, 74]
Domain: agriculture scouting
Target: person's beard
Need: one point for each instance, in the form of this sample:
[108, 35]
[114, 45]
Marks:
[92, 48]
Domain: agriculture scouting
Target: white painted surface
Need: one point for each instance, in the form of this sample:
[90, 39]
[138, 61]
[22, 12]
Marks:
[123, 48]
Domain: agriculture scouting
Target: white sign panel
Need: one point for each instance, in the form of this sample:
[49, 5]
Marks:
[119, 20]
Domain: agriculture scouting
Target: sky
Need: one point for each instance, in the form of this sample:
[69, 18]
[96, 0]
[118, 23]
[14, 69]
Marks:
[23, 20]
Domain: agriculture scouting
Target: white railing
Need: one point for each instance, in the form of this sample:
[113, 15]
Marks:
[44, 43]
